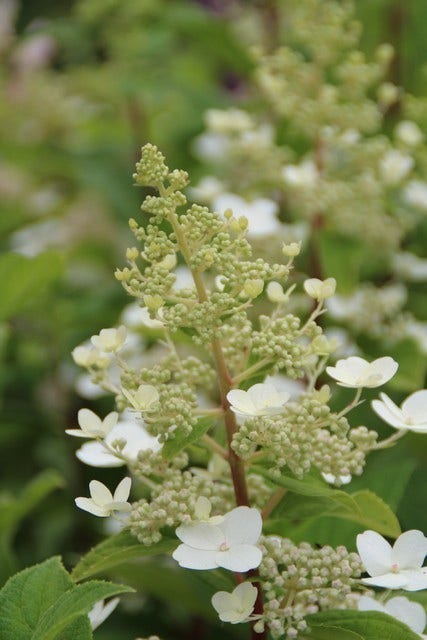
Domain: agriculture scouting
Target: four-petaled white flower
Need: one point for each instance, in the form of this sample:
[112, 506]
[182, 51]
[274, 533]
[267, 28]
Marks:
[355, 372]
[261, 399]
[91, 426]
[397, 567]
[87, 357]
[320, 289]
[109, 340]
[102, 502]
[410, 416]
[100, 612]
[144, 398]
[135, 437]
[231, 544]
[410, 613]
[236, 606]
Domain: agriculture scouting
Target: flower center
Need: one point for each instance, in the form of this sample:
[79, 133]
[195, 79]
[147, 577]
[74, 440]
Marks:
[395, 568]
[224, 547]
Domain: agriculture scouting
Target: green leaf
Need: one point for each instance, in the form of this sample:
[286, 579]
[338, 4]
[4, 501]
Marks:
[333, 633]
[24, 279]
[115, 551]
[76, 602]
[372, 513]
[174, 446]
[79, 629]
[341, 257]
[309, 486]
[27, 595]
[412, 366]
[371, 625]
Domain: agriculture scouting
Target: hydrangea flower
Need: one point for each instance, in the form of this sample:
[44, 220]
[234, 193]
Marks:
[136, 438]
[320, 289]
[410, 613]
[202, 511]
[144, 398]
[231, 544]
[395, 166]
[91, 426]
[260, 213]
[87, 357]
[301, 175]
[102, 502]
[236, 606]
[100, 612]
[410, 416]
[261, 399]
[355, 372]
[397, 567]
[110, 340]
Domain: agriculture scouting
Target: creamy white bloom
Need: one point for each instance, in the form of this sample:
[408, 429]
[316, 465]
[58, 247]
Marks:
[409, 133]
[136, 317]
[91, 426]
[144, 398]
[330, 478]
[417, 331]
[228, 120]
[100, 612]
[291, 249]
[409, 266]
[394, 166]
[110, 340]
[135, 437]
[231, 544]
[261, 399]
[320, 289]
[202, 511]
[415, 193]
[236, 606]
[102, 502]
[183, 278]
[397, 567]
[410, 613]
[355, 372]
[286, 385]
[211, 146]
[87, 357]
[261, 213]
[276, 294]
[302, 175]
[206, 190]
[410, 416]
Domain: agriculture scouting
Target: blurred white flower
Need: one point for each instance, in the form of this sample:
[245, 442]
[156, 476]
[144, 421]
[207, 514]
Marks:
[85, 356]
[88, 389]
[417, 331]
[397, 567]
[286, 385]
[275, 292]
[261, 213]
[355, 372]
[135, 317]
[206, 190]
[409, 133]
[183, 278]
[211, 146]
[415, 193]
[231, 544]
[320, 289]
[304, 175]
[135, 437]
[236, 606]
[228, 120]
[411, 416]
[91, 426]
[35, 52]
[102, 502]
[100, 612]
[394, 166]
[110, 340]
[410, 613]
[261, 399]
[410, 267]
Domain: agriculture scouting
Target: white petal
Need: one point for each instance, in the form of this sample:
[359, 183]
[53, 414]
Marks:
[202, 508]
[202, 535]
[190, 558]
[409, 550]
[246, 593]
[88, 505]
[416, 580]
[365, 603]
[100, 494]
[381, 371]
[137, 439]
[122, 491]
[415, 406]
[240, 558]
[375, 553]
[388, 581]
[241, 402]
[242, 525]
[223, 603]
[95, 455]
[383, 411]
[109, 422]
[410, 613]
[99, 612]
[78, 433]
[118, 505]
[89, 421]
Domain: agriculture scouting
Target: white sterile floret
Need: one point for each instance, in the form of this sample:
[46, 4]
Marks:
[291, 249]
[410, 416]
[355, 372]
[206, 190]
[110, 340]
[102, 502]
[202, 511]
[236, 606]
[261, 213]
[395, 166]
[228, 120]
[231, 544]
[397, 567]
[410, 267]
[409, 133]
[127, 431]
[302, 175]
[410, 613]
[100, 612]
[330, 478]
[275, 292]
[89, 357]
[91, 426]
[144, 398]
[320, 289]
[415, 194]
[136, 317]
[261, 399]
